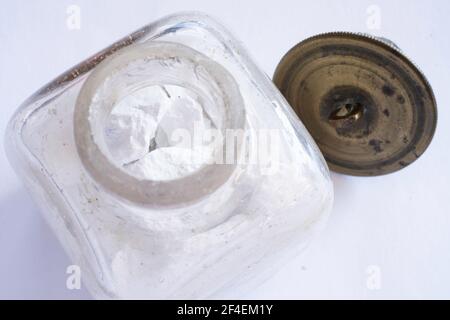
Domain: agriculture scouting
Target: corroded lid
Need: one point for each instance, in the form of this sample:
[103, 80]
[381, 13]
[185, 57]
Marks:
[367, 106]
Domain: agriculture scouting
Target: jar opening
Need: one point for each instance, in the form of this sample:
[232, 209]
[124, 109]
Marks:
[141, 118]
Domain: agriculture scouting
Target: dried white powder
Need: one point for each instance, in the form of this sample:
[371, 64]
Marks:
[141, 129]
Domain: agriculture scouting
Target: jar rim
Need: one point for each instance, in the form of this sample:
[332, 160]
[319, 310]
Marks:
[147, 192]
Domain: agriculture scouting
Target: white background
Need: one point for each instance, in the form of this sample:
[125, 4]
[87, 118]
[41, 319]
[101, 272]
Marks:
[398, 223]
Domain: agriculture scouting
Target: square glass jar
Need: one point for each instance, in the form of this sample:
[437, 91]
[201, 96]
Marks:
[212, 232]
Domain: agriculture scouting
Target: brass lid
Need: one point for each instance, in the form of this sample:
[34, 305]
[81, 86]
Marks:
[367, 106]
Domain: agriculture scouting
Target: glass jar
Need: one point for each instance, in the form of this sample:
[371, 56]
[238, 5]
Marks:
[170, 166]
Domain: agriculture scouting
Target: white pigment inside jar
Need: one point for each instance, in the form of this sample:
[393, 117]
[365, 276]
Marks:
[127, 111]
[143, 137]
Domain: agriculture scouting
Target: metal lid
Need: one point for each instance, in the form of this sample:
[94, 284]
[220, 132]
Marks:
[367, 106]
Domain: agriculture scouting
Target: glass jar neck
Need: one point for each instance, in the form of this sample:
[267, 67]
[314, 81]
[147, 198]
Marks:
[192, 87]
